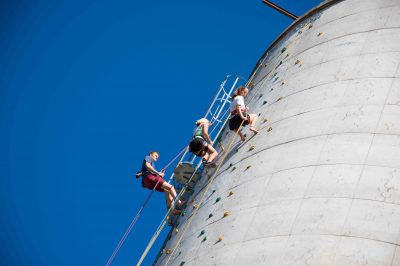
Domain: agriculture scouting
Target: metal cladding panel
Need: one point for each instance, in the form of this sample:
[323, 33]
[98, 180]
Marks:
[323, 186]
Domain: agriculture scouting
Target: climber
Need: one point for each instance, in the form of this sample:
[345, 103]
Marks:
[201, 144]
[152, 179]
[239, 112]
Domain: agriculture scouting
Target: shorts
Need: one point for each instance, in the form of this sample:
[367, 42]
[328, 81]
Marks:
[235, 121]
[197, 145]
[150, 180]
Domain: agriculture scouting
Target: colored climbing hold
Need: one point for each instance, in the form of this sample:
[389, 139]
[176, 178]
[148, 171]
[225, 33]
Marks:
[252, 147]
[233, 169]
[319, 34]
[168, 251]
[259, 114]
[182, 263]
[213, 191]
[220, 238]
[210, 215]
[310, 26]
[204, 239]
[283, 83]
[265, 120]
[276, 73]
[251, 85]
[271, 89]
[248, 167]
[276, 78]
[264, 102]
[230, 193]
[283, 50]
[269, 129]
[195, 206]
[300, 31]
[297, 62]
[217, 199]
[260, 96]
[202, 232]
[280, 98]
[176, 230]
[287, 55]
[226, 214]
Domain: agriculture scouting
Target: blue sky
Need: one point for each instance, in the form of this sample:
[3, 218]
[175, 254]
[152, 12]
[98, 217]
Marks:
[87, 88]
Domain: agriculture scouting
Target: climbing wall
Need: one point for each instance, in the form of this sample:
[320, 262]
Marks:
[320, 183]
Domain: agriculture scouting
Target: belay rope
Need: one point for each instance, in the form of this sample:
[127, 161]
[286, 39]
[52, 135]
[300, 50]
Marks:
[129, 229]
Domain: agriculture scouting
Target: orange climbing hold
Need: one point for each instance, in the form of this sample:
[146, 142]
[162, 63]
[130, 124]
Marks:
[226, 214]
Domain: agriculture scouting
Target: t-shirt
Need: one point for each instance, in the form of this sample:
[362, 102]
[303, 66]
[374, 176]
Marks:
[238, 100]
[144, 168]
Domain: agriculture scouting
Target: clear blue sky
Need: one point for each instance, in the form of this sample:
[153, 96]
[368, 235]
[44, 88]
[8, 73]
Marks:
[87, 88]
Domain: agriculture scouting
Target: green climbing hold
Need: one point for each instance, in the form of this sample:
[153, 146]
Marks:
[182, 263]
[204, 239]
[213, 191]
[217, 199]
[283, 50]
[210, 215]
[202, 232]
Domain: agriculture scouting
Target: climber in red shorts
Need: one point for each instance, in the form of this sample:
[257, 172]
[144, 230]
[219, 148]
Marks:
[152, 179]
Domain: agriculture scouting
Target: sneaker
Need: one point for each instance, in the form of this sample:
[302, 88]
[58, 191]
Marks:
[138, 174]
[210, 164]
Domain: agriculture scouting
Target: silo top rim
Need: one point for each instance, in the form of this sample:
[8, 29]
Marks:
[311, 12]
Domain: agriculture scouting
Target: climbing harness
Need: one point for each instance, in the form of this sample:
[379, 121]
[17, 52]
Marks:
[129, 229]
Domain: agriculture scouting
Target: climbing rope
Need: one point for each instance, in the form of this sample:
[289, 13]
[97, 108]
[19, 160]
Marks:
[129, 229]
[204, 193]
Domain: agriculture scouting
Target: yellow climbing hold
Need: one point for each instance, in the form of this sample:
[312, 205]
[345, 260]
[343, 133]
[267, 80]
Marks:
[319, 34]
[248, 167]
[297, 62]
[176, 230]
[168, 251]
[252, 147]
[230, 193]
[226, 214]
[310, 26]
[269, 129]
[195, 206]
[220, 238]
[251, 85]
[265, 120]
